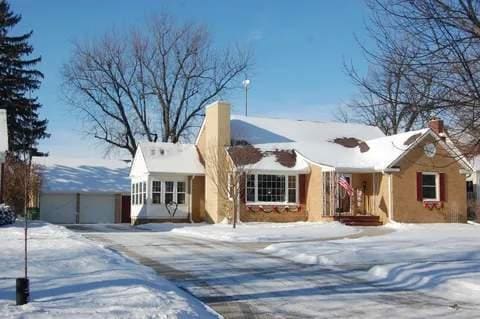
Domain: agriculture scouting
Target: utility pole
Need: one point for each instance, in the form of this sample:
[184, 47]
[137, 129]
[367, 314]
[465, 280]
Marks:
[245, 84]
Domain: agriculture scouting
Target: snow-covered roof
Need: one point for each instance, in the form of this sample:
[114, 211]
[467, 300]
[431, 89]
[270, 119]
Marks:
[172, 158]
[3, 132]
[343, 146]
[83, 175]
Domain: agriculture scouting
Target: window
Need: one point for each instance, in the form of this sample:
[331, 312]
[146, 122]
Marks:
[181, 193]
[144, 192]
[292, 189]
[269, 188]
[169, 192]
[156, 192]
[430, 186]
[250, 188]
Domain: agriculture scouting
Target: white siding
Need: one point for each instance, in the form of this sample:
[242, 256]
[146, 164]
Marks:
[95, 209]
[139, 167]
[58, 208]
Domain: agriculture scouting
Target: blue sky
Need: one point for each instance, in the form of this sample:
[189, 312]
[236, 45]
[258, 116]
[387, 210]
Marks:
[299, 49]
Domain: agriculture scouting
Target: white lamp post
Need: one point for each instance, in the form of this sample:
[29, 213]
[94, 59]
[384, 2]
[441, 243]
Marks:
[245, 84]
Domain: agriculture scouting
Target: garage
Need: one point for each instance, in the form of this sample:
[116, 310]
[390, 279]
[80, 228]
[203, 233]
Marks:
[85, 191]
[58, 208]
[97, 209]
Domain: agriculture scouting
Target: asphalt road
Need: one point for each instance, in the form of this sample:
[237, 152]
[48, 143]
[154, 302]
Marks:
[239, 281]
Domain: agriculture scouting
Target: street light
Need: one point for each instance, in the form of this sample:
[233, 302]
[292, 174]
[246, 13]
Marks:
[245, 84]
[23, 284]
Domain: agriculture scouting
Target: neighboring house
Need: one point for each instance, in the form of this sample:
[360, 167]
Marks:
[473, 187]
[3, 148]
[86, 191]
[294, 171]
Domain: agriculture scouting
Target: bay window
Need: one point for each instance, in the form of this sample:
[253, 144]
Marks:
[270, 188]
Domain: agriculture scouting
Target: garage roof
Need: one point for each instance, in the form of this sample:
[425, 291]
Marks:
[83, 175]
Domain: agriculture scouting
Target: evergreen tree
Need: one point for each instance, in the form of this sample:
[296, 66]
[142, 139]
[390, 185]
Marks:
[18, 80]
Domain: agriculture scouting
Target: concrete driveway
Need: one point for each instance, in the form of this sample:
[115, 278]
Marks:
[238, 281]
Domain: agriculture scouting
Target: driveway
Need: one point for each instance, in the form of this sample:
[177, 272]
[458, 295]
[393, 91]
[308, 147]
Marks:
[238, 281]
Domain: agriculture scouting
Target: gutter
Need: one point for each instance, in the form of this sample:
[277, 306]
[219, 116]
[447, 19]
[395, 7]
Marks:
[191, 201]
[390, 200]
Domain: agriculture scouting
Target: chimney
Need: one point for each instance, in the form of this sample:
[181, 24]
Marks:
[436, 125]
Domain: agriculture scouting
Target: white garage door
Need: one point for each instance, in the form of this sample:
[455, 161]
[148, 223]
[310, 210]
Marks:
[58, 208]
[96, 209]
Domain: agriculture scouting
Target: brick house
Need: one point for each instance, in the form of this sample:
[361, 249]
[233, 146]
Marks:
[301, 171]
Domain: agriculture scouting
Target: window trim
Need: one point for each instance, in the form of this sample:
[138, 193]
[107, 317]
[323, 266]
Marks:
[156, 192]
[437, 187]
[163, 191]
[286, 202]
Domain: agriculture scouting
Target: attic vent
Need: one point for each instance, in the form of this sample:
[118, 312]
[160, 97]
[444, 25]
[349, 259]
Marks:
[161, 151]
[152, 152]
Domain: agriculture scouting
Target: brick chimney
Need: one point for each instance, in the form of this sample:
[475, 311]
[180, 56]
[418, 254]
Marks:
[436, 125]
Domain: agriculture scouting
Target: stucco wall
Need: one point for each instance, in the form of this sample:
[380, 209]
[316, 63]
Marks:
[217, 137]
[314, 194]
[406, 208]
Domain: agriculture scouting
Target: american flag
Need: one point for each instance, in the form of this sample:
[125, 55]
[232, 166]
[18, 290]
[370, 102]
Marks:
[343, 182]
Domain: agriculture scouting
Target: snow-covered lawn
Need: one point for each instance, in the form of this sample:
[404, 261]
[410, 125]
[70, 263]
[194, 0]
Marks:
[258, 232]
[443, 259]
[71, 277]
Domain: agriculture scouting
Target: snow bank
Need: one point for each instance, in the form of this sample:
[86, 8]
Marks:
[258, 232]
[73, 277]
[432, 242]
[441, 259]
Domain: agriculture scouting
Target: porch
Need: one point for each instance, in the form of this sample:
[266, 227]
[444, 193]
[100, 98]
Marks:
[363, 204]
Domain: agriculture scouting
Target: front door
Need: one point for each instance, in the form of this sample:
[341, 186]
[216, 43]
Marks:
[343, 197]
[126, 209]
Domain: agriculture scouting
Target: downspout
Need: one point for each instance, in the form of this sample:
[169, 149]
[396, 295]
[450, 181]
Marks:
[191, 201]
[390, 199]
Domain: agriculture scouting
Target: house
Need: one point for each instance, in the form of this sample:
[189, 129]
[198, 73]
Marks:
[301, 171]
[3, 148]
[83, 190]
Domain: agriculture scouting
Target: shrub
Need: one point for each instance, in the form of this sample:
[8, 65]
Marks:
[7, 215]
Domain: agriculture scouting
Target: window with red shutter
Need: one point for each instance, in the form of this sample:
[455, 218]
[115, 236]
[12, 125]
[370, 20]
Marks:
[443, 197]
[419, 186]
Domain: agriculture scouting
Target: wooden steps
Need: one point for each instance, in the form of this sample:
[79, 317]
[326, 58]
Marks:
[359, 220]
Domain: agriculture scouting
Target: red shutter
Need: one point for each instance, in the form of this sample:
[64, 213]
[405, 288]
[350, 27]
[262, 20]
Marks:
[419, 186]
[302, 191]
[443, 197]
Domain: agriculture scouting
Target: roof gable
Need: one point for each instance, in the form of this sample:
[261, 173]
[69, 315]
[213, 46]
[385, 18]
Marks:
[171, 158]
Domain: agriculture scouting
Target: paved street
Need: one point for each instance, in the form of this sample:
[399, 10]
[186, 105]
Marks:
[238, 281]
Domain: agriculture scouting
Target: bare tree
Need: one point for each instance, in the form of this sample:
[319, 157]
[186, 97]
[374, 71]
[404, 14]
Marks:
[439, 43]
[228, 171]
[150, 85]
[392, 95]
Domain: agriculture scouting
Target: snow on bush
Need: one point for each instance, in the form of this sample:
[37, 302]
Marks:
[7, 215]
